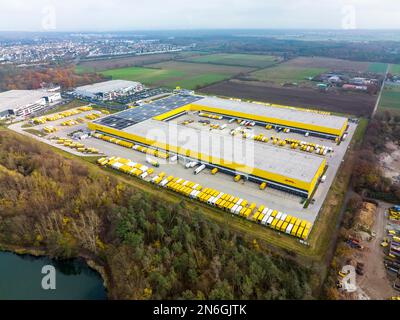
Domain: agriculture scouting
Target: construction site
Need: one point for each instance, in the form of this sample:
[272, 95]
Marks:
[270, 164]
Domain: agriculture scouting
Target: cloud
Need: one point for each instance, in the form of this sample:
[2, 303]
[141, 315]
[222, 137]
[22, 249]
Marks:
[194, 14]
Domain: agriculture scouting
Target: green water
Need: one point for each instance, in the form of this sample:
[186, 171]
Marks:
[21, 278]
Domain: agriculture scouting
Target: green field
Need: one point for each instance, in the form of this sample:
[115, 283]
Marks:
[200, 80]
[394, 68]
[144, 75]
[285, 73]
[173, 73]
[377, 67]
[188, 54]
[100, 65]
[246, 60]
[390, 98]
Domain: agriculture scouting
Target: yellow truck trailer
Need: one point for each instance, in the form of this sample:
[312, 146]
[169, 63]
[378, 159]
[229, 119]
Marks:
[274, 223]
[299, 232]
[294, 230]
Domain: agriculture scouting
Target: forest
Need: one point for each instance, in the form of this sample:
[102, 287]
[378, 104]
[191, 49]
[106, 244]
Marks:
[372, 51]
[368, 177]
[150, 249]
[12, 78]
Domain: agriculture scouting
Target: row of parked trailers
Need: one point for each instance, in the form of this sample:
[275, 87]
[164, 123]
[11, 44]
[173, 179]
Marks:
[247, 123]
[394, 250]
[60, 115]
[76, 145]
[209, 115]
[262, 215]
[294, 144]
[130, 145]
[126, 166]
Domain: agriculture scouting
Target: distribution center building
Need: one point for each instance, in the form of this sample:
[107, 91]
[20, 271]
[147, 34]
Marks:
[311, 121]
[108, 90]
[289, 170]
[21, 103]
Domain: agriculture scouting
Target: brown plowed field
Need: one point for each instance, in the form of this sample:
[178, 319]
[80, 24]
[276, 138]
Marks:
[358, 104]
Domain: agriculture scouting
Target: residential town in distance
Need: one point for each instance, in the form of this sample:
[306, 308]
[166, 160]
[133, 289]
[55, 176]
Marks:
[42, 49]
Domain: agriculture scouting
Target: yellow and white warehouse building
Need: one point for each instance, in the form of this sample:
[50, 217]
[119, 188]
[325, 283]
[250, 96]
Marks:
[281, 168]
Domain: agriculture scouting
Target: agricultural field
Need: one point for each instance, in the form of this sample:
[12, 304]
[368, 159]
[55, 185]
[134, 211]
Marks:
[377, 67]
[350, 103]
[299, 69]
[394, 68]
[245, 60]
[173, 73]
[286, 73]
[123, 62]
[191, 53]
[141, 74]
[329, 64]
[267, 85]
[390, 98]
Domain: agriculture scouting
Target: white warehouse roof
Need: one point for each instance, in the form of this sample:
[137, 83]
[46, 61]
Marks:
[14, 99]
[292, 164]
[108, 86]
[283, 113]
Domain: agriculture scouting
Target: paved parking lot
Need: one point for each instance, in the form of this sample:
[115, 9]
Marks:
[62, 131]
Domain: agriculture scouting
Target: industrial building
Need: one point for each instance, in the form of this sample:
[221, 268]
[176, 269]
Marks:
[302, 121]
[283, 169]
[20, 103]
[108, 90]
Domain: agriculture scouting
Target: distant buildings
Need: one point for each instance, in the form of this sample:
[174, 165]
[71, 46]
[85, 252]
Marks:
[346, 82]
[69, 47]
[354, 87]
[108, 90]
[20, 103]
[393, 79]
[358, 81]
[335, 79]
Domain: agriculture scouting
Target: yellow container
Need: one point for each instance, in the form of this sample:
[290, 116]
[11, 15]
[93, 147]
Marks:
[214, 171]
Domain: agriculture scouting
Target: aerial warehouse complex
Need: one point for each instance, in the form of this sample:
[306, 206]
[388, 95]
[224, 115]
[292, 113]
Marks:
[280, 168]
[288, 155]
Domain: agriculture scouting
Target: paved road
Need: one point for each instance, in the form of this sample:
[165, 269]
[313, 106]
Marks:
[380, 93]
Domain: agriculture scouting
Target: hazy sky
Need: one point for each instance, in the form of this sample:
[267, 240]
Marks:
[100, 15]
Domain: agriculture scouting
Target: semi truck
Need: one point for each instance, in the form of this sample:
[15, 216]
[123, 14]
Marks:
[153, 162]
[199, 169]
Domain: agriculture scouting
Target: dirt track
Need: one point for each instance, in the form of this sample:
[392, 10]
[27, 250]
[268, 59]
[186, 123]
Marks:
[375, 282]
[359, 104]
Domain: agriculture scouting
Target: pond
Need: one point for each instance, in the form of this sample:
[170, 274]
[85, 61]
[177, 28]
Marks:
[21, 279]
